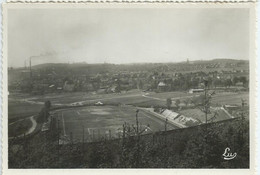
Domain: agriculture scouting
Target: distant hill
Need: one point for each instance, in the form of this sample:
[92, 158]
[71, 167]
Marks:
[225, 60]
[82, 64]
[179, 67]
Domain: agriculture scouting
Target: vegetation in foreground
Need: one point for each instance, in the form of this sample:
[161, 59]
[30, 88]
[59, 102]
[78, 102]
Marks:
[195, 147]
[19, 128]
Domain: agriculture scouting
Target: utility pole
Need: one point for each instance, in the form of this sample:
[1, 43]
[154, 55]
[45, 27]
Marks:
[206, 101]
[243, 105]
[58, 140]
[166, 122]
[58, 135]
[137, 125]
[138, 144]
[25, 145]
[241, 132]
[110, 135]
[165, 129]
[93, 135]
[206, 106]
[83, 135]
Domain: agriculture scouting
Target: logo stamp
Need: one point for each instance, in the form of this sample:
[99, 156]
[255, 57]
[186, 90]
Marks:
[228, 155]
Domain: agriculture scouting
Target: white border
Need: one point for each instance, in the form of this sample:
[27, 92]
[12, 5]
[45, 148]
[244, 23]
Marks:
[252, 169]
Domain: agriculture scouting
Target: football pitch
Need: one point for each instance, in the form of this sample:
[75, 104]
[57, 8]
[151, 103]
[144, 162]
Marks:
[95, 122]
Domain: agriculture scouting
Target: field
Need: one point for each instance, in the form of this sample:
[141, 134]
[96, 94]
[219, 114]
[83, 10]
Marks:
[19, 128]
[19, 110]
[107, 121]
[134, 97]
[104, 122]
[230, 98]
[173, 95]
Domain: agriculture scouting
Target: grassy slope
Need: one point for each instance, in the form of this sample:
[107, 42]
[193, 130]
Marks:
[18, 110]
[182, 148]
[19, 128]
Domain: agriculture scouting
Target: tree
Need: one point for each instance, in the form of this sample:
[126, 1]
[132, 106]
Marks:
[198, 100]
[195, 82]
[44, 113]
[169, 103]
[203, 150]
[177, 103]
[228, 83]
[244, 81]
[140, 84]
[156, 108]
[235, 80]
[47, 104]
[186, 101]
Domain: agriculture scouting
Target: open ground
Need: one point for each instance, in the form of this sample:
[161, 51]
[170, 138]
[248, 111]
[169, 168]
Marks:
[96, 122]
[111, 118]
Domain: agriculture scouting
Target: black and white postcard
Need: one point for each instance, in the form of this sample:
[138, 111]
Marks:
[155, 88]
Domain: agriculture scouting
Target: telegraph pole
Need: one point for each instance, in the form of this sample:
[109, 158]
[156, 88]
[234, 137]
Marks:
[138, 144]
[165, 133]
[83, 135]
[137, 127]
[206, 101]
[243, 105]
[206, 107]
[58, 139]
[166, 122]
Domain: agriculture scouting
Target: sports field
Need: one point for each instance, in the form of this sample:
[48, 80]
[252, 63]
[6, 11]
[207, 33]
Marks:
[231, 98]
[95, 122]
[107, 121]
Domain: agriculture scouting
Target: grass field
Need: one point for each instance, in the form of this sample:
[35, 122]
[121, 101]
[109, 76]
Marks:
[21, 106]
[18, 110]
[72, 97]
[104, 121]
[165, 95]
[230, 98]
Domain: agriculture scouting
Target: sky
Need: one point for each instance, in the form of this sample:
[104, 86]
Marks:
[126, 35]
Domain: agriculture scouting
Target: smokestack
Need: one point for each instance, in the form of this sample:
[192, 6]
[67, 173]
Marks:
[31, 68]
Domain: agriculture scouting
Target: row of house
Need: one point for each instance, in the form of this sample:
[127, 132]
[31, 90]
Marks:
[51, 80]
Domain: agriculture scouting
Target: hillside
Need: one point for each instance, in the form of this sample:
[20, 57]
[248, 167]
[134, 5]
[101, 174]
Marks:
[142, 66]
[181, 148]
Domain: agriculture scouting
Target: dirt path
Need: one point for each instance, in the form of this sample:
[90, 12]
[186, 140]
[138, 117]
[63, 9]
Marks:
[33, 127]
